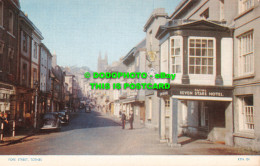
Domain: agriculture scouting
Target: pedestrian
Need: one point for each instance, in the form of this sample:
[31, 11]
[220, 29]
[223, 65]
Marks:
[123, 118]
[1, 121]
[6, 122]
[1, 118]
[131, 120]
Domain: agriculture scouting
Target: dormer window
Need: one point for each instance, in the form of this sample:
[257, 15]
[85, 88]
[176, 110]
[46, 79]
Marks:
[205, 14]
[245, 5]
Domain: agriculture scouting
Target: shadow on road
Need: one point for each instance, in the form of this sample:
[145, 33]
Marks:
[83, 120]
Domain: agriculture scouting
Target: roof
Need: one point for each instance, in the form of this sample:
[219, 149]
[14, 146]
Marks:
[159, 12]
[130, 55]
[31, 25]
[191, 24]
[182, 5]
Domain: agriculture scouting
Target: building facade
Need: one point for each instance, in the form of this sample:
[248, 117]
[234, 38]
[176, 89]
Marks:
[9, 15]
[152, 102]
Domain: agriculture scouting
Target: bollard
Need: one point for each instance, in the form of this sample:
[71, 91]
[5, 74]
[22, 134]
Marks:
[2, 132]
[13, 128]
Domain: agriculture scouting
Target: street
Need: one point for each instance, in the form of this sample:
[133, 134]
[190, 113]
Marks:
[98, 134]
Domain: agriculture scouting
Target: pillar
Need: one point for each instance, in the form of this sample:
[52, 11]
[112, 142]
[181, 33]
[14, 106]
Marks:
[162, 121]
[174, 123]
[229, 125]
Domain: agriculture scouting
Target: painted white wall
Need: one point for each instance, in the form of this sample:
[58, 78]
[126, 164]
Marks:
[227, 61]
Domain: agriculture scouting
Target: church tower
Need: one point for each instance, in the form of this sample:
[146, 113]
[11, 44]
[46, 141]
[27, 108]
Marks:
[102, 63]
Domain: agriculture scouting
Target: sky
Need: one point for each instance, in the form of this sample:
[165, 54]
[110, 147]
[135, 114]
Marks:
[78, 30]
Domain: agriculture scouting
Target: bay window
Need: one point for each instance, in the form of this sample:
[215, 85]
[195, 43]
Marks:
[176, 54]
[201, 55]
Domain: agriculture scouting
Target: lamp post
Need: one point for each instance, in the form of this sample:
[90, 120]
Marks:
[35, 111]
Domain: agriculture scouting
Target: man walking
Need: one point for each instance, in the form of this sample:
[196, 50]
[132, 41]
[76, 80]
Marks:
[123, 118]
[131, 120]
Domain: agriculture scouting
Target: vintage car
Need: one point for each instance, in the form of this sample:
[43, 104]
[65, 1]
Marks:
[64, 116]
[87, 109]
[51, 121]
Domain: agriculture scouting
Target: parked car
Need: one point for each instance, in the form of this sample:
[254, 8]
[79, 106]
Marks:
[64, 116]
[51, 121]
[87, 109]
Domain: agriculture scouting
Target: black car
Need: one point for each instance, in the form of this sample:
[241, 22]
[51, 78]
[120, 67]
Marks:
[51, 121]
[64, 116]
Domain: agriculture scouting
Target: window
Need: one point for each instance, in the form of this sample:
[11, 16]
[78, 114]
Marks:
[201, 55]
[34, 77]
[24, 75]
[137, 61]
[150, 108]
[247, 112]
[11, 22]
[167, 107]
[246, 56]
[222, 10]
[245, 5]
[1, 13]
[176, 54]
[205, 14]
[10, 58]
[35, 50]
[25, 42]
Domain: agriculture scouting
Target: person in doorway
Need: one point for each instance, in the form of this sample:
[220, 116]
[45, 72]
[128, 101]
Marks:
[123, 118]
[131, 120]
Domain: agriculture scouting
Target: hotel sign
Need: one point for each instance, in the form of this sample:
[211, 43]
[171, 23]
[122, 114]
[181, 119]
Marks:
[197, 91]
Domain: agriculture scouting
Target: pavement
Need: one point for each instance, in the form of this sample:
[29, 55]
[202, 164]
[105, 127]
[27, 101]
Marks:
[96, 133]
[20, 135]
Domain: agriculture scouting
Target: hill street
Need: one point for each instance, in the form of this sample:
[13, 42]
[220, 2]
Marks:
[98, 134]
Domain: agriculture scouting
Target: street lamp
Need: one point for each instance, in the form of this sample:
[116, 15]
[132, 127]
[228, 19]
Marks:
[36, 94]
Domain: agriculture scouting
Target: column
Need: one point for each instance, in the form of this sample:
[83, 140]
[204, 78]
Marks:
[174, 123]
[219, 79]
[229, 125]
[185, 76]
[162, 121]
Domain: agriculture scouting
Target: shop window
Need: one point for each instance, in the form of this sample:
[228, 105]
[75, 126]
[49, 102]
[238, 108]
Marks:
[245, 5]
[246, 54]
[201, 55]
[176, 54]
[247, 113]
